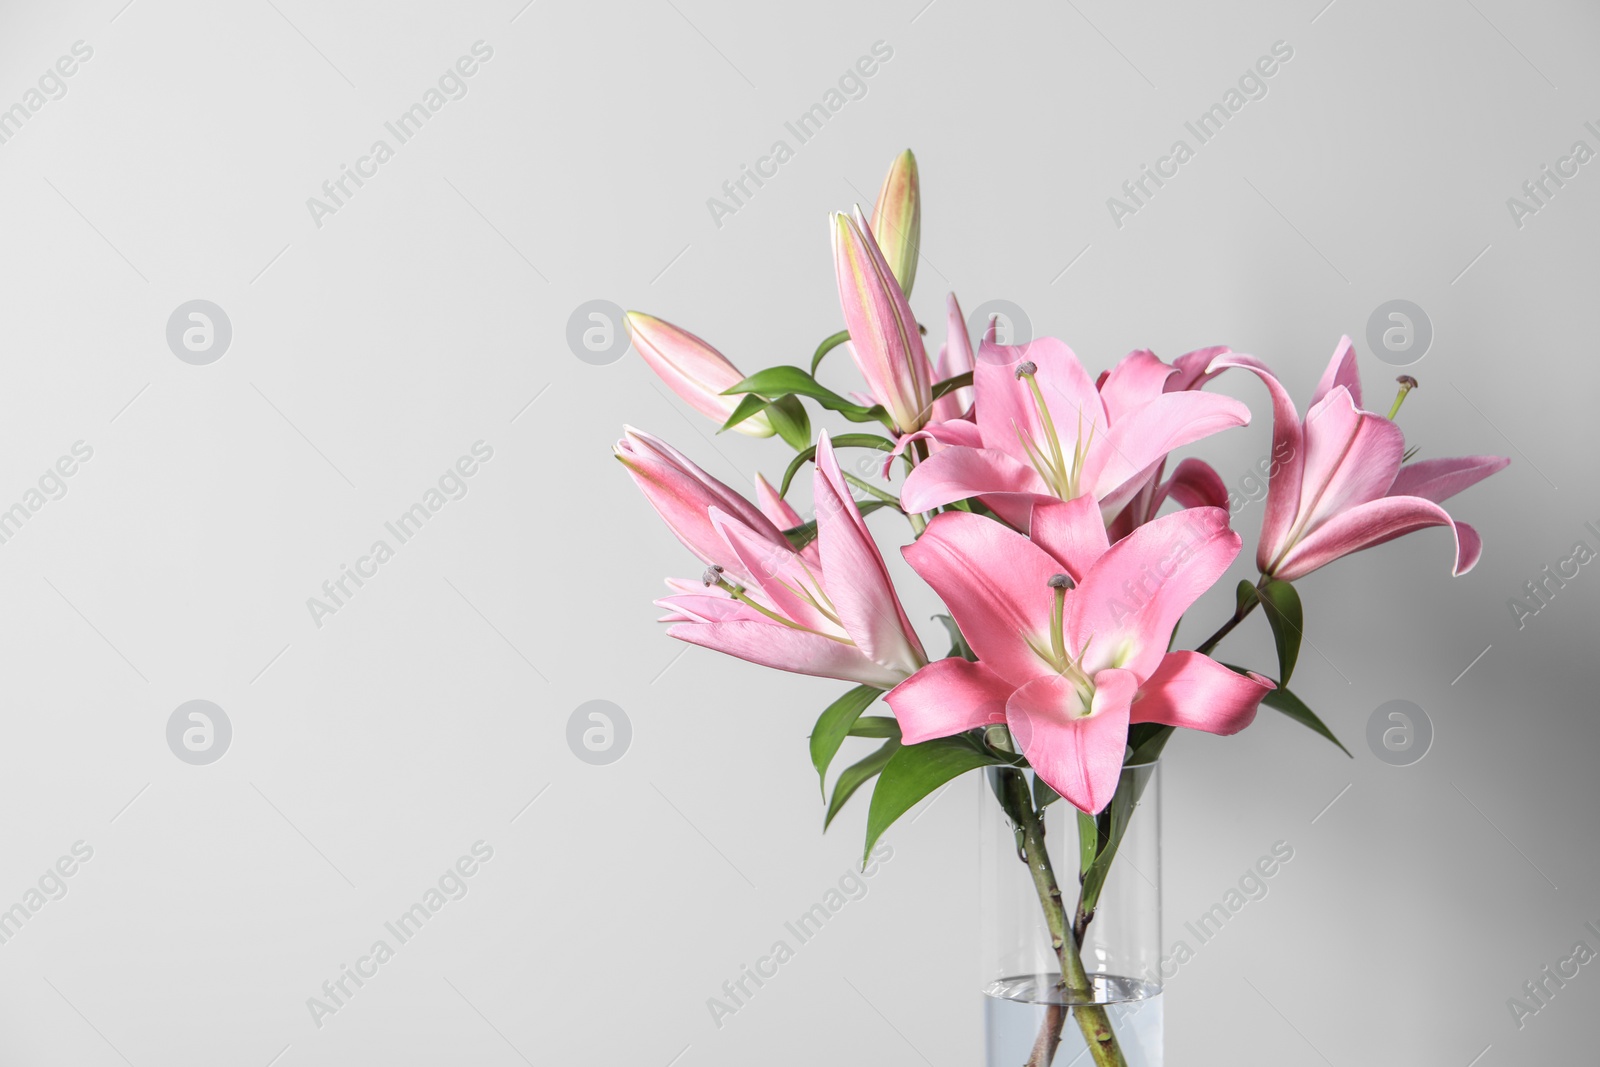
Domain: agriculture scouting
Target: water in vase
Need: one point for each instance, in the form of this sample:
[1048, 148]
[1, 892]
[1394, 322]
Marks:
[1014, 1011]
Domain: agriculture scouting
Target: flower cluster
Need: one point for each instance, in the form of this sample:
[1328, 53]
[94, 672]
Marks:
[1036, 492]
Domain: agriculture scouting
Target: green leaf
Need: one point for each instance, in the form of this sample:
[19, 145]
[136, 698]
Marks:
[1282, 605]
[876, 726]
[1044, 794]
[1283, 700]
[828, 345]
[1146, 741]
[1088, 842]
[789, 418]
[750, 405]
[843, 440]
[856, 775]
[1112, 824]
[916, 771]
[776, 381]
[1243, 595]
[833, 726]
[958, 640]
[950, 385]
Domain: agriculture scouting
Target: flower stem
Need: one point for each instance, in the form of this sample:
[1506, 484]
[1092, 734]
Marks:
[1239, 614]
[1091, 1018]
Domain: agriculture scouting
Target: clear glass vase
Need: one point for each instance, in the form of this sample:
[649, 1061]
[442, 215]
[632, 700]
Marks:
[1092, 998]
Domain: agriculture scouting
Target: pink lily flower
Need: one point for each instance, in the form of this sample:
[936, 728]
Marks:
[693, 369]
[1071, 636]
[884, 340]
[950, 418]
[685, 497]
[1194, 483]
[836, 616]
[1342, 487]
[1047, 432]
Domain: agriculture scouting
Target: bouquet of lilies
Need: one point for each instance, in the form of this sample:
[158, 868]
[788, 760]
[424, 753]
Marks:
[1034, 492]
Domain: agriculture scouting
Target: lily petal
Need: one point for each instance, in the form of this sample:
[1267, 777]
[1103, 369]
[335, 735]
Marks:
[883, 333]
[1288, 452]
[1138, 378]
[1193, 690]
[854, 573]
[947, 697]
[997, 585]
[958, 472]
[1072, 531]
[1140, 440]
[1440, 479]
[693, 369]
[1079, 755]
[1352, 457]
[797, 651]
[1123, 612]
[1341, 372]
[1373, 523]
[1195, 484]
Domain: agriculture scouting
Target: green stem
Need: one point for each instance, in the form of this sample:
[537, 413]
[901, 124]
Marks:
[1239, 615]
[1091, 1018]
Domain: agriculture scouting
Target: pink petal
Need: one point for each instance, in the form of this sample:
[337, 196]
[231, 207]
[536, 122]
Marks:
[1194, 368]
[1194, 690]
[1371, 524]
[797, 651]
[708, 605]
[947, 697]
[683, 496]
[784, 581]
[1440, 479]
[997, 585]
[883, 333]
[1288, 451]
[1138, 378]
[1194, 484]
[949, 432]
[955, 357]
[693, 369]
[958, 472]
[1351, 457]
[1079, 755]
[1005, 403]
[1072, 531]
[1140, 440]
[1341, 371]
[1124, 610]
[854, 574]
[774, 507]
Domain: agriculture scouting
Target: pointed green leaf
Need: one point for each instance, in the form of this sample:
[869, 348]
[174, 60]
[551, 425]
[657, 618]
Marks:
[916, 771]
[1146, 740]
[1243, 595]
[1088, 842]
[958, 640]
[748, 406]
[833, 726]
[828, 345]
[789, 418]
[1283, 700]
[856, 775]
[1044, 794]
[950, 385]
[1282, 604]
[876, 726]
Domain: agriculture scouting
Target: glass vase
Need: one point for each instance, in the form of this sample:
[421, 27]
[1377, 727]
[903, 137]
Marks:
[1071, 924]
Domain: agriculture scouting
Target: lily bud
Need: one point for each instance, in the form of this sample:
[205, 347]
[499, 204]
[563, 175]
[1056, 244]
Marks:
[884, 339]
[692, 369]
[897, 219]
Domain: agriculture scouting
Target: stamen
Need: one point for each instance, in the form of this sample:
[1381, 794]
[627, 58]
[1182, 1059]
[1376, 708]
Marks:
[1407, 383]
[1026, 368]
[1059, 583]
[712, 576]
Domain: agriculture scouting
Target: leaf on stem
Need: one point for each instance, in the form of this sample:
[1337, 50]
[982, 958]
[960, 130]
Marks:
[834, 725]
[916, 771]
[788, 417]
[1282, 605]
[958, 640]
[828, 345]
[843, 440]
[856, 775]
[1283, 700]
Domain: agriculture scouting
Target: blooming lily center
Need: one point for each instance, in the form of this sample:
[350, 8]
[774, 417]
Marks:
[1047, 456]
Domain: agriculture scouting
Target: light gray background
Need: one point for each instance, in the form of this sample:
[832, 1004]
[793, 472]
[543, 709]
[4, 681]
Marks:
[430, 312]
